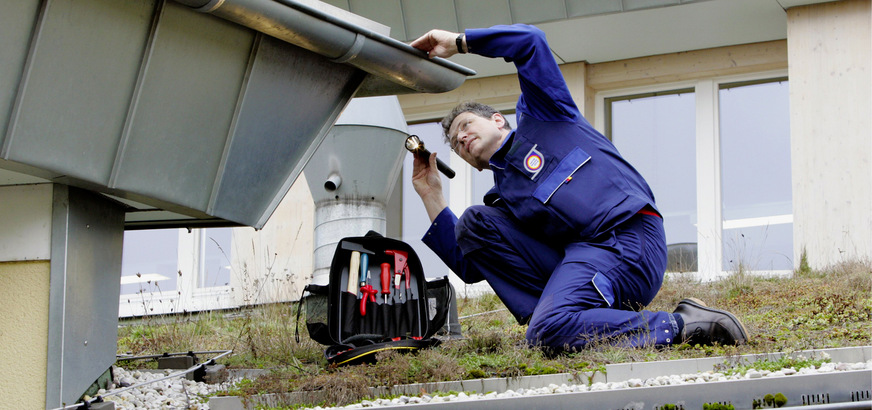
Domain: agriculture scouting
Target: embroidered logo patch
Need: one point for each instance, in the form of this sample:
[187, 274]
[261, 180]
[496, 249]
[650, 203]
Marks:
[533, 161]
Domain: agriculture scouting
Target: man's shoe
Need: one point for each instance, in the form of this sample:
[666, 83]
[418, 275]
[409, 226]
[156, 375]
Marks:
[706, 326]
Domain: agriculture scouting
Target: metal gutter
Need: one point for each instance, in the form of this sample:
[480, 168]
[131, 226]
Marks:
[842, 389]
[825, 391]
[396, 67]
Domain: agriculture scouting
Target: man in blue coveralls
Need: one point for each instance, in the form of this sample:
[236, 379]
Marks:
[570, 238]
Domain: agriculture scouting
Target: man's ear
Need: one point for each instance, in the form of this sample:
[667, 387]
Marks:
[499, 119]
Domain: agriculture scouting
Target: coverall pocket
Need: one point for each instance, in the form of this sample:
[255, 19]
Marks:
[604, 287]
[561, 175]
[582, 293]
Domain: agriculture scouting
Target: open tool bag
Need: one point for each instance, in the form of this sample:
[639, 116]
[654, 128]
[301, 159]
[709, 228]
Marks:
[377, 300]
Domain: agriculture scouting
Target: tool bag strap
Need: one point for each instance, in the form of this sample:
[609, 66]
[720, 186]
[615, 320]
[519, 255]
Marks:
[344, 354]
[299, 310]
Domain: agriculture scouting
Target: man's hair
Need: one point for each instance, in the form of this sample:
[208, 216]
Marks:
[482, 110]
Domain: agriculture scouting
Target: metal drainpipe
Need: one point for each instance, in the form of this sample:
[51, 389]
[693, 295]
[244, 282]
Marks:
[334, 220]
[352, 174]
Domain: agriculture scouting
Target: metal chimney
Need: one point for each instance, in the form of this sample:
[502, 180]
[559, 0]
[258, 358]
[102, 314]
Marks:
[352, 174]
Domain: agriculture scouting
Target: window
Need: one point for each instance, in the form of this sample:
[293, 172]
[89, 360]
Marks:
[150, 261]
[174, 270]
[655, 133]
[716, 153]
[215, 251]
[755, 176]
[415, 220]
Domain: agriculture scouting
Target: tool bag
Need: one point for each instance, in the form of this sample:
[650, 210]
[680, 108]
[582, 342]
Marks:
[358, 318]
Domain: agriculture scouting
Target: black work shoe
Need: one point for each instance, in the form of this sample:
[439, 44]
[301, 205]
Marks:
[706, 326]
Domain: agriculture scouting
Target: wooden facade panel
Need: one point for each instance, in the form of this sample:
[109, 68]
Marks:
[688, 65]
[830, 120]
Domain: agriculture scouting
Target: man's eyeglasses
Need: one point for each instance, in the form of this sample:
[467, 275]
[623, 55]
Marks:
[454, 142]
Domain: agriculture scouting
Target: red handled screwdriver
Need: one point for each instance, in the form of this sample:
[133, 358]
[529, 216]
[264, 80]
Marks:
[386, 280]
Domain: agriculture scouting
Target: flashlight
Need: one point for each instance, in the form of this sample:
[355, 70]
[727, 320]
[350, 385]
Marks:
[416, 146]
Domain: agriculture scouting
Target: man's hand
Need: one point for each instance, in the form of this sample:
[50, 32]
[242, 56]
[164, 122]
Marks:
[428, 185]
[437, 43]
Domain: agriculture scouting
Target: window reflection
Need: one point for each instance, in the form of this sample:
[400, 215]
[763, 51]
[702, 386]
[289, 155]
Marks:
[150, 261]
[756, 192]
[656, 134]
[215, 257]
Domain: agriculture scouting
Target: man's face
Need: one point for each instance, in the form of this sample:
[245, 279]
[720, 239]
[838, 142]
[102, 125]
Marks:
[476, 138]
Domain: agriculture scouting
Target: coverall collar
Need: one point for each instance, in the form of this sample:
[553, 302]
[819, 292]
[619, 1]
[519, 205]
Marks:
[498, 160]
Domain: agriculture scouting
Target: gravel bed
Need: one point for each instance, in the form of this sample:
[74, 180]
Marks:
[172, 393]
[180, 393]
[703, 377]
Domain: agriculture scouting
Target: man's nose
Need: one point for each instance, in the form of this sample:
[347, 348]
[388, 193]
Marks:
[462, 137]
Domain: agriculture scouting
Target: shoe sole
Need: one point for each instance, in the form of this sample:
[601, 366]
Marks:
[701, 305]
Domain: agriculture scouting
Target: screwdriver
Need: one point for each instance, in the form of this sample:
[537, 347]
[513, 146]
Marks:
[364, 269]
[366, 290]
[386, 280]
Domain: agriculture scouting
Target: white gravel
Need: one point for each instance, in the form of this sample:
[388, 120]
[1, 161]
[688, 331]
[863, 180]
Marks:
[178, 392]
[172, 393]
[704, 377]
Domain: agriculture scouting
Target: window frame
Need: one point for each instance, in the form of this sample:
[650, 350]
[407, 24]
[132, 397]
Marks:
[189, 295]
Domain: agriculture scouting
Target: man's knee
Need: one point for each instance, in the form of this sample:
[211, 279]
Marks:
[545, 331]
[561, 329]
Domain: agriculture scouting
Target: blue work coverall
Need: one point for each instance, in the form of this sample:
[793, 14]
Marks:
[570, 238]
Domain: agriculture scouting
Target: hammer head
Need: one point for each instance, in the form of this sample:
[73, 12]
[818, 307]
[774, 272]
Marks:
[351, 246]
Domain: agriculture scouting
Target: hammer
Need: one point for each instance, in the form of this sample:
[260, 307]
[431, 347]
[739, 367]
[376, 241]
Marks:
[355, 264]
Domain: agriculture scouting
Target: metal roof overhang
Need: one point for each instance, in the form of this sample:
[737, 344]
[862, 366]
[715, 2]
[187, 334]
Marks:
[193, 113]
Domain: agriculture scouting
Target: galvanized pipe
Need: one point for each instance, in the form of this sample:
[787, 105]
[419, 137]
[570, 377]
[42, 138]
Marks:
[333, 182]
[338, 219]
[341, 41]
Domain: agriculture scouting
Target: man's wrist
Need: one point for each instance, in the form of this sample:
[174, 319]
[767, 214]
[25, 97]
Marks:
[434, 204]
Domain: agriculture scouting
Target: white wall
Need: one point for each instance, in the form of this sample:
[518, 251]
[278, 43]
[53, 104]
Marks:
[275, 263]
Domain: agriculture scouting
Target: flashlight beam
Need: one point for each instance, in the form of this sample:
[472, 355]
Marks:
[416, 147]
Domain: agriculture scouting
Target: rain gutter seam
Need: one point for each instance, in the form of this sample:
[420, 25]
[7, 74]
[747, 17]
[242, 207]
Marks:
[24, 80]
[373, 35]
[353, 51]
